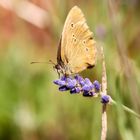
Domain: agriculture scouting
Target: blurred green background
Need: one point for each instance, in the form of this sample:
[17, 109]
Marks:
[31, 107]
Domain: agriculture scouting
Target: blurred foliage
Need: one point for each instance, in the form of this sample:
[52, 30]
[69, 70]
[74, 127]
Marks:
[32, 108]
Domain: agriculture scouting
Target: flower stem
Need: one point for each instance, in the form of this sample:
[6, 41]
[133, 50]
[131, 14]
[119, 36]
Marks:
[127, 109]
[104, 92]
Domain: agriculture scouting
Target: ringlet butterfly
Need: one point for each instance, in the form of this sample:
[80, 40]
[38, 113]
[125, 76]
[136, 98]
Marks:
[77, 48]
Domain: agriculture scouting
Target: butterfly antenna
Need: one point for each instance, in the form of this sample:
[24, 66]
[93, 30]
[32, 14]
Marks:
[50, 62]
[34, 62]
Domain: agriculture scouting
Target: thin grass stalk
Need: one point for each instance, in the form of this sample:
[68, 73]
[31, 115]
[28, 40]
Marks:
[104, 106]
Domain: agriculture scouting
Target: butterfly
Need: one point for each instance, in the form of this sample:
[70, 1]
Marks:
[77, 48]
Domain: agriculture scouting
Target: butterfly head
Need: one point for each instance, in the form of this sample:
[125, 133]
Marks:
[58, 68]
[62, 69]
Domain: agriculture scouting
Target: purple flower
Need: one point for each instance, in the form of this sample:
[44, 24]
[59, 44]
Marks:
[75, 90]
[78, 89]
[77, 84]
[78, 78]
[88, 94]
[87, 85]
[63, 88]
[59, 82]
[87, 81]
[82, 83]
[86, 88]
[71, 83]
[63, 78]
[105, 99]
[97, 85]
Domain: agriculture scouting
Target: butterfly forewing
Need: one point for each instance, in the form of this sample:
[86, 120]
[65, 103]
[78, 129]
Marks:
[78, 49]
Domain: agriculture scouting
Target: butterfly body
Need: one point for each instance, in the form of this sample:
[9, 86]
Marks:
[77, 48]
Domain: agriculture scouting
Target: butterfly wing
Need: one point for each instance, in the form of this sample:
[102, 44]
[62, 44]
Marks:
[78, 49]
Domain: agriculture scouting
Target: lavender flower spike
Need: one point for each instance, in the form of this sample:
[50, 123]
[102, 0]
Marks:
[77, 84]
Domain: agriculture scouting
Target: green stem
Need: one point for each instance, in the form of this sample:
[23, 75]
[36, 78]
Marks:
[127, 109]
